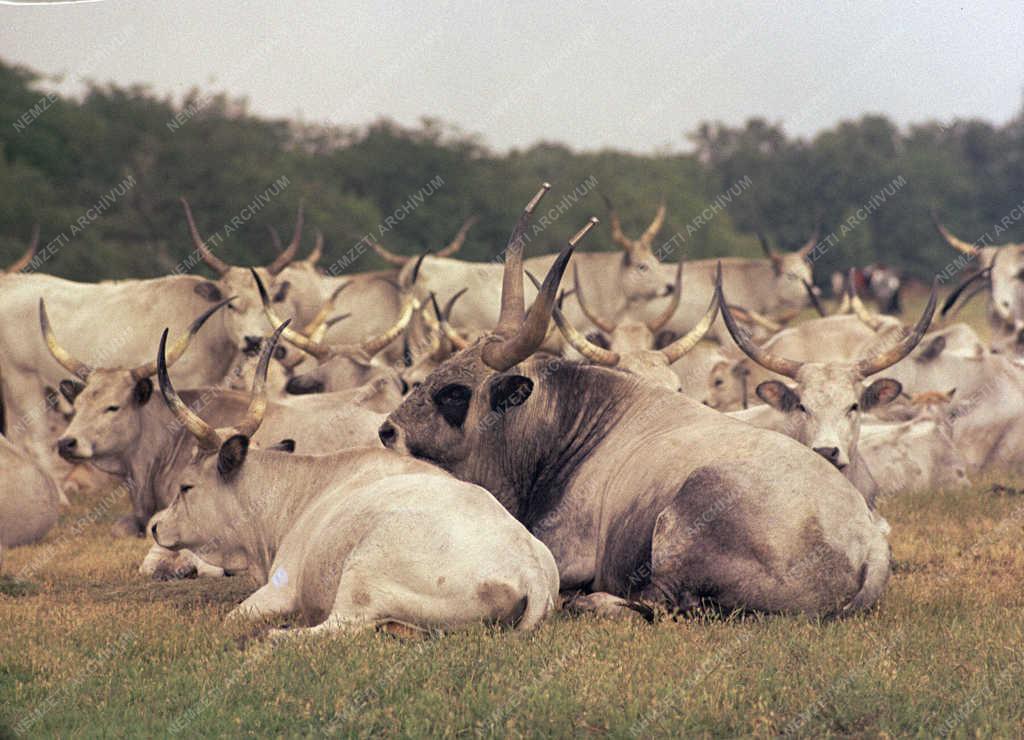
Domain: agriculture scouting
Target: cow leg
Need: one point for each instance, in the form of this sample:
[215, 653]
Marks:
[271, 600]
[602, 604]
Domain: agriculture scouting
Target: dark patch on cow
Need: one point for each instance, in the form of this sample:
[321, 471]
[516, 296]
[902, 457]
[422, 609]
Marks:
[452, 402]
[302, 385]
[509, 391]
[209, 291]
[822, 568]
[71, 388]
[285, 445]
[932, 350]
[282, 292]
[231, 456]
[142, 391]
[663, 338]
[778, 395]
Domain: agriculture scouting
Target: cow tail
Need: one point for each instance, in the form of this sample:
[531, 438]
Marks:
[538, 604]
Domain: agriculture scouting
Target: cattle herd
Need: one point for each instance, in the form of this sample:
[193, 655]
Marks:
[448, 442]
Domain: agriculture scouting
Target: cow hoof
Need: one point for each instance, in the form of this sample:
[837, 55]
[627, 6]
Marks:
[606, 606]
[168, 573]
[126, 526]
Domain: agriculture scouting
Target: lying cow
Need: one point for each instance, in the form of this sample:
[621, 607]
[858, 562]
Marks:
[640, 492]
[358, 539]
[29, 499]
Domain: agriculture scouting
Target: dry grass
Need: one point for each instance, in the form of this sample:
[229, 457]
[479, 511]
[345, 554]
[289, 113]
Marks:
[89, 647]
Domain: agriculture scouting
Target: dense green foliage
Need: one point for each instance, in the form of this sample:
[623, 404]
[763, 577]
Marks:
[62, 156]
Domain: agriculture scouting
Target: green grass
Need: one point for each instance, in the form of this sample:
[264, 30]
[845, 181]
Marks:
[89, 647]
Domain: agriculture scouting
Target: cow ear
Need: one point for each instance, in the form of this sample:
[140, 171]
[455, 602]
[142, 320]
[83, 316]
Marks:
[209, 291]
[663, 338]
[282, 292]
[778, 395]
[285, 445]
[879, 393]
[71, 388]
[142, 391]
[232, 456]
[509, 391]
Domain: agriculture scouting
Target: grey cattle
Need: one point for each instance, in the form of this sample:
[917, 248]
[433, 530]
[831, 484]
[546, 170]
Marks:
[638, 491]
[823, 407]
[358, 539]
[29, 499]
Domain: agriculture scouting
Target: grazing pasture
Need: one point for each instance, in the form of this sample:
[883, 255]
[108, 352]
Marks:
[90, 647]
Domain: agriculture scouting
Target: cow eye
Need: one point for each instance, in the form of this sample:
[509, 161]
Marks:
[112, 409]
[452, 402]
[185, 488]
[718, 382]
[854, 408]
[801, 408]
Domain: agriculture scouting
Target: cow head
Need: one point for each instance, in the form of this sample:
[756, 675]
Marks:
[629, 344]
[792, 271]
[468, 395]
[426, 345]
[823, 406]
[245, 323]
[107, 420]
[341, 366]
[640, 274]
[728, 389]
[210, 506]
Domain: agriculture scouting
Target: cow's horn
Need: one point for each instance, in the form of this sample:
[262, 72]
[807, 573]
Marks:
[203, 432]
[603, 324]
[958, 244]
[181, 344]
[443, 320]
[762, 357]
[319, 321]
[373, 345]
[958, 291]
[75, 367]
[873, 322]
[283, 259]
[258, 404]
[811, 243]
[510, 317]
[613, 218]
[26, 259]
[812, 296]
[306, 344]
[647, 238]
[389, 256]
[872, 365]
[670, 310]
[580, 343]
[318, 249]
[501, 353]
[216, 263]
[690, 340]
[460, 238]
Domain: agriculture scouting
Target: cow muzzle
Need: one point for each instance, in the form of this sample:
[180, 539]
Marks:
[832, 454]
[388, 434]
[69, 449]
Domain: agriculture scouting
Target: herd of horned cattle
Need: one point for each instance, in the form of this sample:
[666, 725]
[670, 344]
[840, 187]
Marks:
[479, 443]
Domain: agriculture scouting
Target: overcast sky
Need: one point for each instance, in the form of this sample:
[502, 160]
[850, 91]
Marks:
[629, 75]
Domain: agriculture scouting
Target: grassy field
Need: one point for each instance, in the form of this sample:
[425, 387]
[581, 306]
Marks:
[89, 647]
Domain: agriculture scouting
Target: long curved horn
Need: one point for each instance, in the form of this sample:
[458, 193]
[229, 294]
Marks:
[872, 365]
[67, 361]
[326, 309]
[761, 356]
[317, 349]
[958, 244]
[603, 324]
[580, 343]
[655, 324]
[390, 257]
[318, 250]
[510, 317]
[283, 259]
[275, 238]
[967, 299]
[613, 219]
[460, 238]
[442, 320]
[26, 259]
[749, 316]
[952, 297]
[813, 298]
[873, 322]
[258, 404]
[652, 231]
[216, 263]
[177, 349]
[503, 354]
[416, 268]
[373, 345]
[205, 434]
[690, 340]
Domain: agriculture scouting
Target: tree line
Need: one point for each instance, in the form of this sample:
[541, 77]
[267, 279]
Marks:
[101, 175]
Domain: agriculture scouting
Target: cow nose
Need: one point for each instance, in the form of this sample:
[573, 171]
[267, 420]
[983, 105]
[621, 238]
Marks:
[387, 433]
[252, 344]
[829, 453]
[66, 447]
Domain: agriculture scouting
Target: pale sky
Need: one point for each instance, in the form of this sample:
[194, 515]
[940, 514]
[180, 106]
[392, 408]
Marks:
[627, 75]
